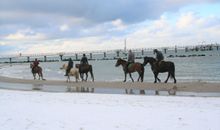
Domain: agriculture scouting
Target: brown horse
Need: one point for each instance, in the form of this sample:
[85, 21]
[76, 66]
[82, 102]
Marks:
[36, 70]
[161, 67]
[133, 67]
[84, 69]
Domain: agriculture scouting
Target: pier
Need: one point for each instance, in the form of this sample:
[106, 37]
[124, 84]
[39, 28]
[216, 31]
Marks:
[176, 51]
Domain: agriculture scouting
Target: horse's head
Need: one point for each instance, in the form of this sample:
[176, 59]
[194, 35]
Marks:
[148, 60]
[77, 65]
[31, 65]
[64, 66]
[119, 62]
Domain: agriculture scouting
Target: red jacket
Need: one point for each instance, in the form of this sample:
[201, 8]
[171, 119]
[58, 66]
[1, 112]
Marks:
[36, 63]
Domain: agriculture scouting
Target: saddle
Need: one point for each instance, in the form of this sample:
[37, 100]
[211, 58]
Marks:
[130, 65]
[159, 64]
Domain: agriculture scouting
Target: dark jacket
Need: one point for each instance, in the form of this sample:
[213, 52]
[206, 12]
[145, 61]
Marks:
[70, 64]
[131, 57]
[84, 60]
[159, 56]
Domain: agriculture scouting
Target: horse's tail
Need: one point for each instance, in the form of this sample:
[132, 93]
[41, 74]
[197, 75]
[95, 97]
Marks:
[41, 73]
[142, 74]
[172, 67]
[77, 74]
[91, 72]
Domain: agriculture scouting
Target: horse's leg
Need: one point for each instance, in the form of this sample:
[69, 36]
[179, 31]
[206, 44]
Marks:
[155, 77]
[92, 75]
[125, 76]
[168, 76]
[34, 74]
[86, 76]
[41, 74]
[131, 77]
[173, 76]
[68, 79]
[38, 76]
[141, 74]
[81, 76]
[76, 78]
[158, 79]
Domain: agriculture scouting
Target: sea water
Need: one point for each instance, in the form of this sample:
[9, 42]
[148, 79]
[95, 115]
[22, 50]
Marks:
[198, 69]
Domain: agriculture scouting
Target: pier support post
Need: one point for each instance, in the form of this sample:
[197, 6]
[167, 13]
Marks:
[90, 55]
[28, 59]
[10, 60]
[186, 49]
[104, 54]
[175, 49]
[45, 58]
[76, 55]
[61, 57]
[117, 53]
[142, 52]
[217, 47]
[165, 50]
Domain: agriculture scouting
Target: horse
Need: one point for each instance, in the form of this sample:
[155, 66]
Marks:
[161, 67]
[73, 72]
[133, 67]
[36, 70]
[85, 68]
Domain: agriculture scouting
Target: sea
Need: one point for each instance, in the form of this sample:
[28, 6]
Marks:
[192, 66]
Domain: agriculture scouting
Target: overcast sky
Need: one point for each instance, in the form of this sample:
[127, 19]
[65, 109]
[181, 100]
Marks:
[42, 26]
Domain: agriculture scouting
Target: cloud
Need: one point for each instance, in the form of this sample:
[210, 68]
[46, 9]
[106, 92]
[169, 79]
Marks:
[97, 11]
[64, 27]
[25, 35]
[41, 26]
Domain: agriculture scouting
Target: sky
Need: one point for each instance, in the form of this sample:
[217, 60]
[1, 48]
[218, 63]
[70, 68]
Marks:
[50, 26]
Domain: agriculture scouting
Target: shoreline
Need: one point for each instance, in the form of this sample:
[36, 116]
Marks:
[198, 87]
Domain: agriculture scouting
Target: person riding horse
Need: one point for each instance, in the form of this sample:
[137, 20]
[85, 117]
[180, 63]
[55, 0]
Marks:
[35, 64]
[131, 59]
[159, 56]
[70, 66]
[84, 60]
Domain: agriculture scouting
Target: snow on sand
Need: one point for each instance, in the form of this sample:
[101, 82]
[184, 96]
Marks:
[22, 110]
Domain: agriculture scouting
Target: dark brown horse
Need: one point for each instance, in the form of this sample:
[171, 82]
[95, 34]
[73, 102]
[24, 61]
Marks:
[161, 67]
[133, 67]
[84, 69]
[37, 70]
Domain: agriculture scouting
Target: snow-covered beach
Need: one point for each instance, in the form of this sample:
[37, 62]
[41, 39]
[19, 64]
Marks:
[25, 110]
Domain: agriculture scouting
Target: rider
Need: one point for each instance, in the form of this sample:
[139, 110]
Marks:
[159, 56]
[84, 60]
[35, 63]
[69, 67]
[131, 58]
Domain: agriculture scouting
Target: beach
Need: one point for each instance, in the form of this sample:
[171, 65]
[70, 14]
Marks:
[22, 110]
[55, 104]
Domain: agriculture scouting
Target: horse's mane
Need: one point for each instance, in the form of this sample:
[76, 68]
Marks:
[150, 58]
[122, 59]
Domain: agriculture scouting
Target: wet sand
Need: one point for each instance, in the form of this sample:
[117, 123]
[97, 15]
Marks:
[184, 86]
